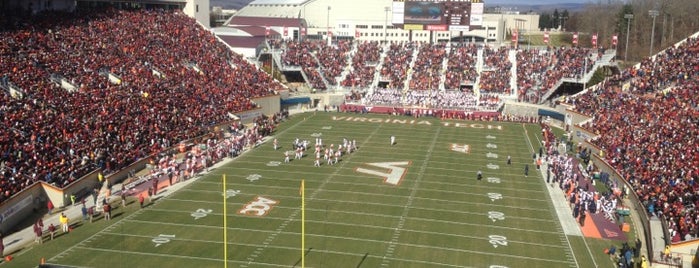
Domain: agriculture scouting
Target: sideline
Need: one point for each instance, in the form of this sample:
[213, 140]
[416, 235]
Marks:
[22, 241]
[558, 202]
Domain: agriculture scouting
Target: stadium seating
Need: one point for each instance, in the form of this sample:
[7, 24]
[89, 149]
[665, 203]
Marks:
[364, 63]
[57, 136]
[648, 124]
[426, 71]
[496, 76]
[461, 66]
[396, 64]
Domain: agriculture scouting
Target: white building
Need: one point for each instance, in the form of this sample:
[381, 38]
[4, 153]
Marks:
[365, 20]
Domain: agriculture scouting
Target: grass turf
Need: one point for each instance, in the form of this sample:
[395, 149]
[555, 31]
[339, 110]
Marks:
[437, 215]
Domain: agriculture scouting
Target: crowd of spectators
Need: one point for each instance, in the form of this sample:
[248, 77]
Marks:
[461, 66]
[396, 64]
[531, 66]
[495, 78]
[653, 142]
[427, 68]
[333, 59]
[364, 62]
[57, 136]
[322, 63]
[567, 62]
[448, 99]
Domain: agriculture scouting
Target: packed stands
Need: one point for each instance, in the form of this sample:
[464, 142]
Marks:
[567, 63]
[531, 66]
[364, 63]
[461, 66]
[397, 63]
[57, 136]
[427, 69]
[333, 60]
[495, 78]
[653, 142]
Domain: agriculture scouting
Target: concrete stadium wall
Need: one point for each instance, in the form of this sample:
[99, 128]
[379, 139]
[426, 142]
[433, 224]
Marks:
[269, 105]
[20, 206]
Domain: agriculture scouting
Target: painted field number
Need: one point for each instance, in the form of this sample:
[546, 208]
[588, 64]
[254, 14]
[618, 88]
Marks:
[494, 196]
[497, 240]
[496, 216]
[273, 163]
[493, 180]
[201, 213]
[231, 193]
[162, 239]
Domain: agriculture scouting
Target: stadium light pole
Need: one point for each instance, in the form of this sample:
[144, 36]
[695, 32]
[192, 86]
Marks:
[628, 18]
[385, 24]
[327, 24]
[653, 13]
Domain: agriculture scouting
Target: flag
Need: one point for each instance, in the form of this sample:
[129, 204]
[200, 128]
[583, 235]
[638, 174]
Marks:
[286, 31]
[594, 40]
[575, 38]
[615, 39]
[546, 37]
[514, 37]
[267, 30]
[356, 33]
[303, 31]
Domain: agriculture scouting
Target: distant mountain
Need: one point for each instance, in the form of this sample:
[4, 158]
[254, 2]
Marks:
[523, 6]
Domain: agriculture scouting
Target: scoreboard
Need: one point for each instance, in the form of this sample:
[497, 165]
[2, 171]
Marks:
[441, 15]
[457, 12]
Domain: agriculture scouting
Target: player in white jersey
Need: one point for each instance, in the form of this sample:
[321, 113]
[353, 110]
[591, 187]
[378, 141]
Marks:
[330, 157]
[337, 156]
[286, 157]
[393, 140]
[317, 162]
[276, 143]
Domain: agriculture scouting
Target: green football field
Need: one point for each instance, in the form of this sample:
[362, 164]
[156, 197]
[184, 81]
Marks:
[413, 204]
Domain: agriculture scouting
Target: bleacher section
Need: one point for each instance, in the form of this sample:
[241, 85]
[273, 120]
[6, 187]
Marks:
[647, 119]
[94, 98]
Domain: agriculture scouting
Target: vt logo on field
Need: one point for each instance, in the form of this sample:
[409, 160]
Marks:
[396, 171]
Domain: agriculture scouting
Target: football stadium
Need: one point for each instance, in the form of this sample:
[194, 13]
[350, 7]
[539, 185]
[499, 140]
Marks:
[319, 133]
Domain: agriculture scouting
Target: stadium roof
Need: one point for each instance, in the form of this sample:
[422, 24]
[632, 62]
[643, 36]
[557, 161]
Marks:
[278, 2]
[243, 42]
[263, 21]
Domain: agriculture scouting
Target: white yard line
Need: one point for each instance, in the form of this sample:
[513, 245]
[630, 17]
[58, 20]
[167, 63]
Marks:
[413, 190]
[258, 251]
[329, 251]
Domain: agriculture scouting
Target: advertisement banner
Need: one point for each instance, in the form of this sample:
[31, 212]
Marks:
[413, 27]
[460, 28]
[436, 27]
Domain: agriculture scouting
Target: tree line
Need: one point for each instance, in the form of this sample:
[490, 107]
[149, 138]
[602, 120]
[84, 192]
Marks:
[674, 21]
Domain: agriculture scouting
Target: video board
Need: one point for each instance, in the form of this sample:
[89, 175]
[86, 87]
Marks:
[458, 15]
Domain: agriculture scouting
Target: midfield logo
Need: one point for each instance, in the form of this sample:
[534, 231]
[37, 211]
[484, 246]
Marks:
[395, 171]
[258, 207]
